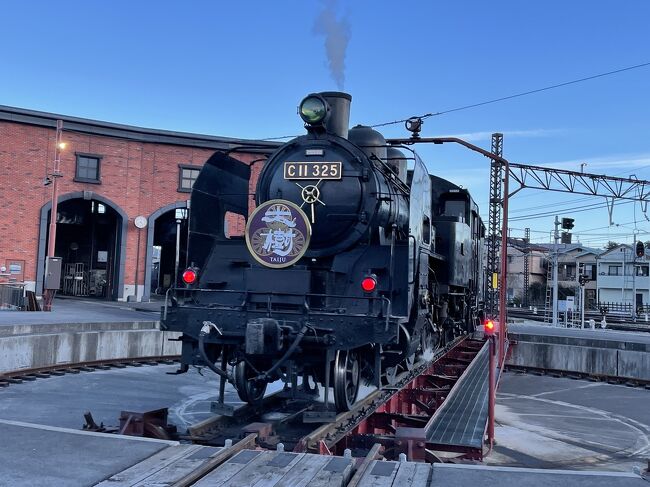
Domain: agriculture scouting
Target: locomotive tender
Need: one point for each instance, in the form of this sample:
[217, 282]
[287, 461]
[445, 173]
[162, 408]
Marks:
[354, 261]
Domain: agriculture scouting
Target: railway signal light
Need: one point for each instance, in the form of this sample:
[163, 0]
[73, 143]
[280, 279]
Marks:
[189, 276]
[567, 223]
[489, 327]
[640, 249]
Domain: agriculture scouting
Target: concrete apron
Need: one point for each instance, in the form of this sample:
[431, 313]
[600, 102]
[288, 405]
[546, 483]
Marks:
[595, 357]
[31, 346]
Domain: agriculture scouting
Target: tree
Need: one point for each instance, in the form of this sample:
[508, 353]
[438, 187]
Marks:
[611, 245]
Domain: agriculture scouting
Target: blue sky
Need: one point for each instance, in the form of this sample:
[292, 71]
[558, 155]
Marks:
[240, 69]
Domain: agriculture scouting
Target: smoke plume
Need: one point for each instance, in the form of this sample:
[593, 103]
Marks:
[337, 35]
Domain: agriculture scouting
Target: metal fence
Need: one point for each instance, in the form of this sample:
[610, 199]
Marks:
[12, 296]
[620, 308]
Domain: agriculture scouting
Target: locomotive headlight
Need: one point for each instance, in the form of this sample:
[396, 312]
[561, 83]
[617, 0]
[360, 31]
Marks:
[313, 109]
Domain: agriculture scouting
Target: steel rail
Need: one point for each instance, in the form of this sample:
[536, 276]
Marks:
[33, 373]
[329, 433]
[628, 381]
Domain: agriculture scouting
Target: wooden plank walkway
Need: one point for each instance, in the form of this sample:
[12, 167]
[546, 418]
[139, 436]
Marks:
[255, 468]
[396, 474]
[163, 468]
[279, 469]
[244, 469]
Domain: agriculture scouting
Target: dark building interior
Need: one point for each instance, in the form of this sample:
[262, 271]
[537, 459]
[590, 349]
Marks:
[164, 251]
[87, 239]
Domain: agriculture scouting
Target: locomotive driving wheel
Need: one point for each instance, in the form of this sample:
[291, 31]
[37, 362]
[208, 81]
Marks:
[249, 390]
[347, 377]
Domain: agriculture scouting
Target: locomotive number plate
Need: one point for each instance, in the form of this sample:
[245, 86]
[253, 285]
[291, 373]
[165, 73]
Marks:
[312, 170]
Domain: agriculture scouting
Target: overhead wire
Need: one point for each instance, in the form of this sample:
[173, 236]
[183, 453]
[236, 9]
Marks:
[516, 95]
[495, 100]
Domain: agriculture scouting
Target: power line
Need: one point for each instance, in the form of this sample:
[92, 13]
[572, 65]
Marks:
[576, 209]
[283, 137]
[517, 95]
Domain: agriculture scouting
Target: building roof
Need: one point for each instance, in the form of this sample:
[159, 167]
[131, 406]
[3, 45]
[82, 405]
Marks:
[522, 245]
[590, 252]
[565, 248]
[619, 247]
[130, 132]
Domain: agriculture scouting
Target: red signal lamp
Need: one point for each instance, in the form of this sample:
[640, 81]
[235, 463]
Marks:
[369, 284]
[489, 327]
[189, 276]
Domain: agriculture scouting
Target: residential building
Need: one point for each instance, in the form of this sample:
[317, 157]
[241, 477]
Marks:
[517, 249]
[623, 277]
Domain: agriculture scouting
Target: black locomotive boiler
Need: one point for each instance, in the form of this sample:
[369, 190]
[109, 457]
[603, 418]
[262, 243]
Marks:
[354, 261]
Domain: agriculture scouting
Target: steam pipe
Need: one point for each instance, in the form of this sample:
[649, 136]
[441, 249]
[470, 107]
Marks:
[205, 331]
[286, 355]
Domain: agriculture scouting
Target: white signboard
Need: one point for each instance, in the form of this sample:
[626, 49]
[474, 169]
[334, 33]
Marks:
[570, 303]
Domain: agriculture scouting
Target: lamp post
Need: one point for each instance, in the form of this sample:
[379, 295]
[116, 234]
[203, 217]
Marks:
[51, 263]
[180, 214]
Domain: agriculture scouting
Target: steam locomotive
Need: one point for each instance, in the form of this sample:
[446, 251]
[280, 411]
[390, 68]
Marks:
[355, 260]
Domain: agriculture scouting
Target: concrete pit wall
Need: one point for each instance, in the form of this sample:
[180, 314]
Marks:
[30, 346]
[589, 356]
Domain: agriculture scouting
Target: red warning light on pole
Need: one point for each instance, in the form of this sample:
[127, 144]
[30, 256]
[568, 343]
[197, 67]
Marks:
[488, 327]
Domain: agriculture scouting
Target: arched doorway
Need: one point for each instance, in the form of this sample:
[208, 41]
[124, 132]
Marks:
[91, 240]
[163, 227]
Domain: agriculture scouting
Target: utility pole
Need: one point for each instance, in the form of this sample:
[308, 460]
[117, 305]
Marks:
[582, 305]
[495, 228]
[555, 266]
[634, 256]
[526, 264]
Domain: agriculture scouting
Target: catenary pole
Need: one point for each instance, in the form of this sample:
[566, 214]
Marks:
[555, 266]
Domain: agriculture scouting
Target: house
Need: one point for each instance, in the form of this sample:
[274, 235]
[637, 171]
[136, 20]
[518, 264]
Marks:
[587, 261]
[537, 266]
[623, 277]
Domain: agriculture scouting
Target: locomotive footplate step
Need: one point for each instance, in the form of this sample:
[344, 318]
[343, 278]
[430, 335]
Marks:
[461, 420]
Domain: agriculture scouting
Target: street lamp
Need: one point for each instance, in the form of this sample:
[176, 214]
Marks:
[180, 215]
[52, 279]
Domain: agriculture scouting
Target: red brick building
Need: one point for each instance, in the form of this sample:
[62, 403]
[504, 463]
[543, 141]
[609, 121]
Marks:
[110, 174]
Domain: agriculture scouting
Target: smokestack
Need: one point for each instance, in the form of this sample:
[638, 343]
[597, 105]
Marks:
[339, 119]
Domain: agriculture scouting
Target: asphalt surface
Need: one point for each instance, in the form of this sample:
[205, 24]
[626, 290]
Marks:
[49, 457]
[542, 422]
[66, 310]
[62, 401]
[561, 423]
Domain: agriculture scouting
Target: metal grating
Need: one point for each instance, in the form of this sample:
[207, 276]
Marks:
[462, 418]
